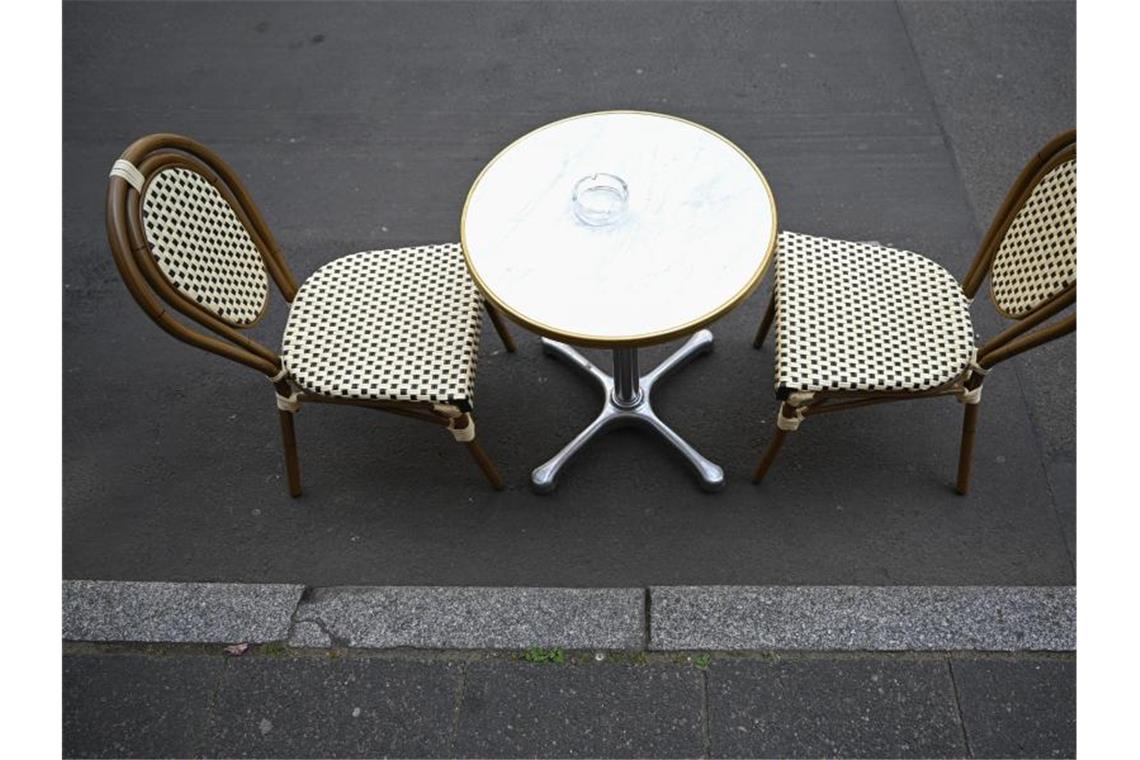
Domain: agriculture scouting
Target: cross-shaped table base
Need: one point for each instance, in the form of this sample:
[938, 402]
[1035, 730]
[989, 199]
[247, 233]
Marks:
[627, 401]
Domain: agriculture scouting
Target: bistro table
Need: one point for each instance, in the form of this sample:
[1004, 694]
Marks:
[620, 229]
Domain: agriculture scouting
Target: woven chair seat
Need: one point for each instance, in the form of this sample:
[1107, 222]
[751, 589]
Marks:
[392, 325]
[865, 317]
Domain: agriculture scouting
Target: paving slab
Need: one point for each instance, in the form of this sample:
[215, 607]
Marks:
[472, 618]
[361, 126]
[133, 705]
[177, 612]
[894, 618]
[602, 710]
[833, 708]
[186, 701]
[333, 707]
[1018, 708]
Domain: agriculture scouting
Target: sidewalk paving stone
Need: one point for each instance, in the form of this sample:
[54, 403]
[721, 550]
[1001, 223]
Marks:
[830, 707]
[1018, 708]
[594, 710]
[180, 701]
[333, 707]
[893, 618]
[133, 705]
[460, 618]
[177, 612]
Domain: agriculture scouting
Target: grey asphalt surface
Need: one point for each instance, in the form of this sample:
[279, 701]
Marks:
[362, 126]
[124, 702]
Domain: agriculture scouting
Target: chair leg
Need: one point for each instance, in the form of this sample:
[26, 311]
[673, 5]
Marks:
[289, 440]
[486, 465]
[966, 453]
[787, 419]
[500, 327]
[769, 455]
[765, 324]
[463, 428]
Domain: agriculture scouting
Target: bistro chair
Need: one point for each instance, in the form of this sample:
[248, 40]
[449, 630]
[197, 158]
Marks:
[394, 330]
[863, 323]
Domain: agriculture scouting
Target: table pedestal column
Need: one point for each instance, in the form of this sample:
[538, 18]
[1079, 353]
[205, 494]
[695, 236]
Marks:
[627, 400]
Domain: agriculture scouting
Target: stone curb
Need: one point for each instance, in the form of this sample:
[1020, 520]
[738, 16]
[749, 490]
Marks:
[878, 618]
[722, 618]
[428, 617]
[177, 612]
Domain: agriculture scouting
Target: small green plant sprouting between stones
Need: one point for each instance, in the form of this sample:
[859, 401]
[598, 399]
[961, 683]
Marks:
[702, 660]
[541, 654]
[275, 649]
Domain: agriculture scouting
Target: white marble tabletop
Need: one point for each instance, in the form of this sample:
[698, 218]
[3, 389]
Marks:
[695, 240]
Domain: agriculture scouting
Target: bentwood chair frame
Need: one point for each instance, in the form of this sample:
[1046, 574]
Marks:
[1025, 333]
[161, 299]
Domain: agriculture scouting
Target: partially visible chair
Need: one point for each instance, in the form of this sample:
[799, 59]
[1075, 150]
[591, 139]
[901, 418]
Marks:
[863, 323]
[393, 330]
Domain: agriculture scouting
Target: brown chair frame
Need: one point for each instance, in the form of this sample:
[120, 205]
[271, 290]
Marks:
[158, 297]
[1015, 339]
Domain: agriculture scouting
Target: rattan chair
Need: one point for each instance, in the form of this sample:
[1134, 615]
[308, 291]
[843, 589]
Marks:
[394, 330]
[863, 323]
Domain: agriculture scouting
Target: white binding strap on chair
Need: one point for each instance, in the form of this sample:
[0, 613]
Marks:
[789, 423]
[126, 170]
[464, 434]
[972, 395]
[290, 403]
[975, 368]
[795, 401]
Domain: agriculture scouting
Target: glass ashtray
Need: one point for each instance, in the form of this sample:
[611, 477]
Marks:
[600, 199]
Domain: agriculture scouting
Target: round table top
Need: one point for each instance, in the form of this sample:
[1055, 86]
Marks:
[694, 242]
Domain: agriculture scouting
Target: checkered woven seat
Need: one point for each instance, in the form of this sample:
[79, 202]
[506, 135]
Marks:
[865, 317]
[391, 325]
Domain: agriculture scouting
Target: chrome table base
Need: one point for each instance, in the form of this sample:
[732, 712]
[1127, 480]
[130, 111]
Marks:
[627, 401]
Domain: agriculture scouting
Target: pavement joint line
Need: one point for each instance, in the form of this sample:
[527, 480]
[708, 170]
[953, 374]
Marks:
[460, 686]
[647, 618]
[656, 619]
[581, 657]
[958, 707]
[706, 730]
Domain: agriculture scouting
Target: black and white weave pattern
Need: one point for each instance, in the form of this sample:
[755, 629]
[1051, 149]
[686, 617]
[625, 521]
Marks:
[396, 325]
[1037, 257]
[865, 317]
[202, 247]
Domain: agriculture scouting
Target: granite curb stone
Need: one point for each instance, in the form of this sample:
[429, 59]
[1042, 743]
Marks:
[177, 612]
[448, 617]
[885, 618]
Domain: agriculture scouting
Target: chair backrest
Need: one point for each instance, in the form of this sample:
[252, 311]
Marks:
[201, 245]
[182, 226]
[1030, 252]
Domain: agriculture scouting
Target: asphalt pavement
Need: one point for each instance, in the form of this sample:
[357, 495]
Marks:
[361, 126]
